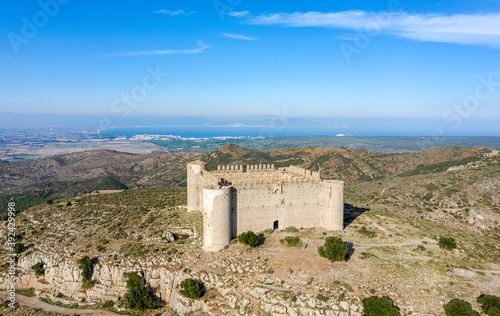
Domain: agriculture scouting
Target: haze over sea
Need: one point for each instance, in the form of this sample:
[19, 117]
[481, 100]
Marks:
[357, 127]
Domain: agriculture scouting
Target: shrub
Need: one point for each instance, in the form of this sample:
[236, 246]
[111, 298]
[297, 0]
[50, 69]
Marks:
[86, 267]
[50, 202]
[192, 288]
[322, 298]
[379, 306]
[333, 249]
[292, 241]
[367, 233]
[88, 285]
[108, 304]
[138, 296]
[38, 268]
[448, 243]
[19, 248]
[490, 304]
[291, 229]
[457, 307]
[249, 238]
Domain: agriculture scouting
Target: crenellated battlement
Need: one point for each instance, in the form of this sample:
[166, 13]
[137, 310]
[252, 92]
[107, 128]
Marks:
[249, 168]
[261, 174]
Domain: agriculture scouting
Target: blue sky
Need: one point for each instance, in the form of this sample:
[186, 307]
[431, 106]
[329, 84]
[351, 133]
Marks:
[351, 59]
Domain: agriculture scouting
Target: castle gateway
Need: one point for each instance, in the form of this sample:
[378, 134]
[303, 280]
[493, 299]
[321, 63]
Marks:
[235, 200]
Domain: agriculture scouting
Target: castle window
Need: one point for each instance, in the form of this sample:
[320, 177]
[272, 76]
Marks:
[276, 224]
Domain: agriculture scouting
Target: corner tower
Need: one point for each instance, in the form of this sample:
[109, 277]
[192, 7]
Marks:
[332, 204]
[195, 171]
[216, 217]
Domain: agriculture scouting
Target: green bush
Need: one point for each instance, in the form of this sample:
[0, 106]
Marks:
[322, 298]
[291, 229]
[19, 248]
[292, 242]
[448, 243]
[88, 285]
[38, 268]
[138, 296]
[192, 288]
[333, 249]
[457, 307]
[379, 306]
[490, 304]
[108, 304]
[86, 267]
[249, 238]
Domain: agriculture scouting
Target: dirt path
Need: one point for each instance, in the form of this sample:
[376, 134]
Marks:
[34, 302]
[282, 289]
[383, 190]
[409, 242]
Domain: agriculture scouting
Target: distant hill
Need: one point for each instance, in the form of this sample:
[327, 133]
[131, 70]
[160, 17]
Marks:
[350, 165]
[32, 182]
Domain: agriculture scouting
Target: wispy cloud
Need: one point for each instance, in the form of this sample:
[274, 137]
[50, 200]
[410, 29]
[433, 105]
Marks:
[240, 37]
[459, 28]
[174, 13]
[197, 50]
[238, 14]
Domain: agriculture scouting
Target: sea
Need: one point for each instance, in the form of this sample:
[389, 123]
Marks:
[357, 127]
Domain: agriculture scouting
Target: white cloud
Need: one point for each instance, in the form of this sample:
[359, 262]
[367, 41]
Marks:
[239, 36]
[173, 13]
[197, 50]
[238, 14]
[458, 28]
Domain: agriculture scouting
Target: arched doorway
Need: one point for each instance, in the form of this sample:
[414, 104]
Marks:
[276, 225]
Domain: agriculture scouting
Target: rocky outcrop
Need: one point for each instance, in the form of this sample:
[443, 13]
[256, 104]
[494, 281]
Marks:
[226, 294]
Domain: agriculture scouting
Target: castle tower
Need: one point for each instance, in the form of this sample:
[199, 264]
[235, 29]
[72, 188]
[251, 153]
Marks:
[195, 171]
[216, 217]
[332, 204]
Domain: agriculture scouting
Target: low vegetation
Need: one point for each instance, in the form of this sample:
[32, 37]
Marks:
[138, 296]
[447, 243]
[86, 267]
[379, 306]
[192, 288]
[38, 268]
[490, 304]
[291, 241]
[457, 307]
[249, 238]
[333, 249]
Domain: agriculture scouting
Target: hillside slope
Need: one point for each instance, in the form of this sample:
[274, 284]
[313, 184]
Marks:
[464, 196]
[32, 182]
[350, 165]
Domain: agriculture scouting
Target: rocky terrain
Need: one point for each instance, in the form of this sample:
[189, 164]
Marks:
[393, 225]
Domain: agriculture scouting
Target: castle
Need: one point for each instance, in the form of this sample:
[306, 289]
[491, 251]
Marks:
[235, 200]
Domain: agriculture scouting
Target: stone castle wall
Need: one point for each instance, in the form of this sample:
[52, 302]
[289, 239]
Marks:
[291, 204]
[237, 198]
